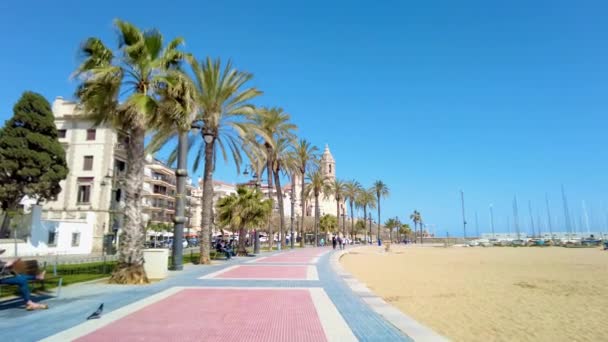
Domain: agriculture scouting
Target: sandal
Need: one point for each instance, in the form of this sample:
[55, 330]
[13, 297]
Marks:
[36, 307]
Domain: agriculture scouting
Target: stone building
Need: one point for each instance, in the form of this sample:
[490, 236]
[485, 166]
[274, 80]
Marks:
[97, 161]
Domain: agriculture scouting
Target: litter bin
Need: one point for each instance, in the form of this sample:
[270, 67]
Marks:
[156, 263]
[379, 242]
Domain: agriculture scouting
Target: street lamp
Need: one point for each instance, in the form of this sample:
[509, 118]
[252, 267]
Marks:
[208, 136]
[293, 203]
[256, 182]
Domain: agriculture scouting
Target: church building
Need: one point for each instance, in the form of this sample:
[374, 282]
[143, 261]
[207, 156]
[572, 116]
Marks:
[327, 204]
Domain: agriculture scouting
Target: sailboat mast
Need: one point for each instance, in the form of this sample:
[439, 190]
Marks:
[549, 216]
[516, 218]
[492, 220]
[531, 218]
[567, 222]
[476, 226]
[586, 218]
[464, 220]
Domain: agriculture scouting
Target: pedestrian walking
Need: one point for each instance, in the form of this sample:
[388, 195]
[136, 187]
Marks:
[334, 242]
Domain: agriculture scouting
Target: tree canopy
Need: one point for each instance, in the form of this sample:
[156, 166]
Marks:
[32, 161]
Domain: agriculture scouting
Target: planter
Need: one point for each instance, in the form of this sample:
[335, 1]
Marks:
[156, 261]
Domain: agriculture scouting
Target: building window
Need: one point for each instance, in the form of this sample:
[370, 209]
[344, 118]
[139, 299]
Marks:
[91, 134]
[329, 168]
[61, 133]
[160, 189]
[75, 239]
[52, 241]
[88, 163]
[84, 192]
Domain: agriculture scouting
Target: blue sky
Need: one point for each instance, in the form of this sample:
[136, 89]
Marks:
[431, 97]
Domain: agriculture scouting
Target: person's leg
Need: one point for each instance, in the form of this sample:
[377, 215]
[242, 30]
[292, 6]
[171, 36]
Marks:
[21, 281]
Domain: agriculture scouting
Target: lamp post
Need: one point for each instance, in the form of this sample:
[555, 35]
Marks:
[256, 179]
[180, 219]
[369, 217]
[293, 204]
[398, 225]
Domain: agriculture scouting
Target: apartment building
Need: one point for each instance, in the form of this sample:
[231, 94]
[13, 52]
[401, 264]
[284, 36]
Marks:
[159, 193]
[97, 160]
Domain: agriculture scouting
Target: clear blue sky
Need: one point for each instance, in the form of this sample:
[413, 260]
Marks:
[431, 97]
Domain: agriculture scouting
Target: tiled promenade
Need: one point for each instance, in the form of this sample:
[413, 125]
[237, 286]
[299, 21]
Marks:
[286, 296]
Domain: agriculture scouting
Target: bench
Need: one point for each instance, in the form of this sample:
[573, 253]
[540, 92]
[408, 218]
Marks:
[217, 255]
[32, 267]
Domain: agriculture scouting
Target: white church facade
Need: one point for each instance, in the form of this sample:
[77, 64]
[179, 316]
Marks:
[327, 204]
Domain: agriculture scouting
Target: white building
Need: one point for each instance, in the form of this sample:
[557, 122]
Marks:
[38, 237]
[97, 163]
[327, 204]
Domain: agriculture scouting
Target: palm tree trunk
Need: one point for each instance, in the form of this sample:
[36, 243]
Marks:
[352, 221]
[130, 268]
[364, 219]
[242, 249]
[317, 217]
[303, 204]
[207, 211]
[277, 183]
[338, 213]
[269, 175]
[344, 224]
[378, 230]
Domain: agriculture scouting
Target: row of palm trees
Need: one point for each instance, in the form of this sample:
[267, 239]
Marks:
[146, 88]
[347, 191]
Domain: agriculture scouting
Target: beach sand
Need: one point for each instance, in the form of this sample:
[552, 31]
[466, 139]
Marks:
[493, 294]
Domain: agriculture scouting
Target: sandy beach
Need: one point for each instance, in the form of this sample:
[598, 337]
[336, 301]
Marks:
[493, 294]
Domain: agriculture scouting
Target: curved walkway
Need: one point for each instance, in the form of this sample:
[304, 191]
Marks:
[293, 295]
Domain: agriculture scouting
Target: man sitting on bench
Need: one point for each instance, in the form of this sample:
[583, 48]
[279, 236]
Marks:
[9, 277]
[221, 248]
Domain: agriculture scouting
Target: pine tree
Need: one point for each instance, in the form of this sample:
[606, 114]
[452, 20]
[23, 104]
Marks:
[32, 161]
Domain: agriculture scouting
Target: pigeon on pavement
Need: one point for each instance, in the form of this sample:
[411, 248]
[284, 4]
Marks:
[97, 313]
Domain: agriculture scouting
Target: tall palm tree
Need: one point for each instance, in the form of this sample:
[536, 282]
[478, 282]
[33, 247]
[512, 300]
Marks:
[417, 219]
[305, 157]
[121, 88]
[281, 163]
[317, 187]
[177, 108]
[351, 190]
[381, 191]
[224, 118]
[274, 122]
[337, 189]
[366, 199]
[244, 210]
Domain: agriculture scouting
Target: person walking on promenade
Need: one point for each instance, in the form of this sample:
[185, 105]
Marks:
[334, 242]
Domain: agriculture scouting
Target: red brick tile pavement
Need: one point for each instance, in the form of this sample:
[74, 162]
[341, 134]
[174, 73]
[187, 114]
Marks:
[220, 315]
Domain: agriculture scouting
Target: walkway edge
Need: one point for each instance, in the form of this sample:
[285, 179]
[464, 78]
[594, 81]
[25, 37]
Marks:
[401, 321]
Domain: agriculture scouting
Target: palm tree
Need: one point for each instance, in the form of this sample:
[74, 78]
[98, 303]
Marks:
[405, 230]
[317, 187]
[391, 224]
[177, 108]
[337, 189]
[381, 191]
[304, 157]
[417, 219]
[121, 88]
[366, 199]
[274, 122]
[223, 117]
[281, 162]
[247, 209]
[351, 190]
